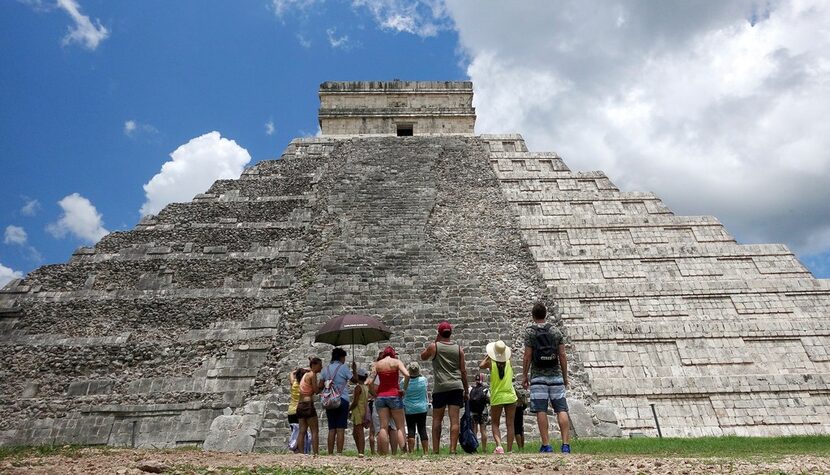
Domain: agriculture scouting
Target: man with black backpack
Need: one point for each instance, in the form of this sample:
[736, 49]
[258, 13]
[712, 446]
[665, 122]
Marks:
[545, 360]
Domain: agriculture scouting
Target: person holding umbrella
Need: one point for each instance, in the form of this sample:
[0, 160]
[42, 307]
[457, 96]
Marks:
[351, 330]
[338, 375]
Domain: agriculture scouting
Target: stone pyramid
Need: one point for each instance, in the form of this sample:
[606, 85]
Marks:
[183, 330]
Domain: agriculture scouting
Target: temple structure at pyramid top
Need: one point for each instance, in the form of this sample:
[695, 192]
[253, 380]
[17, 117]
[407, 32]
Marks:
[396, 108]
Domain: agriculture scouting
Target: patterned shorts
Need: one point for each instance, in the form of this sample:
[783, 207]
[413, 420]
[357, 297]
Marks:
[544, 389]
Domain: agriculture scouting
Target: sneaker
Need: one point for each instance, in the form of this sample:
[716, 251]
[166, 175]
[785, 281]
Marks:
[566, 449]
[546, 448]
[499, 450]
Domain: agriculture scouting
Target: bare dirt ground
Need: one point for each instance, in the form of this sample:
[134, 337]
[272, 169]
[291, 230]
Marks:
[110, 461]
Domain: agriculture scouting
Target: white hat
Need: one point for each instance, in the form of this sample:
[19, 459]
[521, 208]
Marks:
[498, 351]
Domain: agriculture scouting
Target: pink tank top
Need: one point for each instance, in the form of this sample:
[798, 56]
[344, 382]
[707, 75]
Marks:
[306, 385]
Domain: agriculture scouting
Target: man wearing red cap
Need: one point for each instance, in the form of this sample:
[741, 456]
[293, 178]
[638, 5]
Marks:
[450, 386]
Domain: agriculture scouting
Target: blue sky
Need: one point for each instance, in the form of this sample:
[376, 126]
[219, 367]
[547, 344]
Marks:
[715, 110]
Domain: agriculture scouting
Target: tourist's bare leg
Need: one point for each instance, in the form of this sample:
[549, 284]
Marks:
[454, 427]
[542, 422]
[437, 421]
[301, 436]
[495, 423]
[313, 424]
[400, 423]
[510, 416]
[341, 440]
[359, 438]
[564, 426]
[383, 433]
[330, 440]
[482, 428]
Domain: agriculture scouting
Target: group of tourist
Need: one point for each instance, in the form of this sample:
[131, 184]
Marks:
[393, 395]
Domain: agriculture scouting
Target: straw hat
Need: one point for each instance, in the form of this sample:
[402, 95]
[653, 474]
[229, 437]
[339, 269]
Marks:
[498, 351]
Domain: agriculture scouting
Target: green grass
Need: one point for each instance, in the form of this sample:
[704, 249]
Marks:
[726, 447]
[730, 446]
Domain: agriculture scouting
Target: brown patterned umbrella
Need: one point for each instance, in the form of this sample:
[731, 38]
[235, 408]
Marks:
[352, 330]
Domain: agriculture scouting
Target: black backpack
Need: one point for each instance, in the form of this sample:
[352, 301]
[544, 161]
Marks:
[478, 399]
[546, 348]
[466, 437]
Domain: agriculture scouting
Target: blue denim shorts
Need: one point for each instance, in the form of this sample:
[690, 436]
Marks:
[392, 402]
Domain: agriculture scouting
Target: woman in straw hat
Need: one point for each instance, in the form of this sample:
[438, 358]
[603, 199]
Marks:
[502, 395]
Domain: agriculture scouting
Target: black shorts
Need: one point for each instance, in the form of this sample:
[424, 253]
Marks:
[454, 397]
[519, 421]
[293, 419]
[417, 421]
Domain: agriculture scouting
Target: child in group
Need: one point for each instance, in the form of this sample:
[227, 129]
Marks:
[522, 403]
[479, 400]
[359, 411]
[502, 395]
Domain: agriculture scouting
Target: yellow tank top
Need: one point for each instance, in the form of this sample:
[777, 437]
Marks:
[295, 398]
[501, 389]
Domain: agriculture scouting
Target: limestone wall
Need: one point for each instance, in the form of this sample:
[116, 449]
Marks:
[145, 339]
[669, 310]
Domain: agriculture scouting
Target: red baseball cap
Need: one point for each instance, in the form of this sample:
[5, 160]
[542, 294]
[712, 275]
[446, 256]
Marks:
[444, 326]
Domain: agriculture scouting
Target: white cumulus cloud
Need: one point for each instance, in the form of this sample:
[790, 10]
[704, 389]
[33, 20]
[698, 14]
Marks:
[269, 127]
[133, 128]
[7, 275]
[84, 31]
[193, 167]
[719, 110]
[79, 219]
[15, 235]
[423, 18]
[341, 42]
[30, 208]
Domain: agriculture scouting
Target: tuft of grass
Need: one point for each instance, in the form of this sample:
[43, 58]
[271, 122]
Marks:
[189, 469]
[40, 451]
